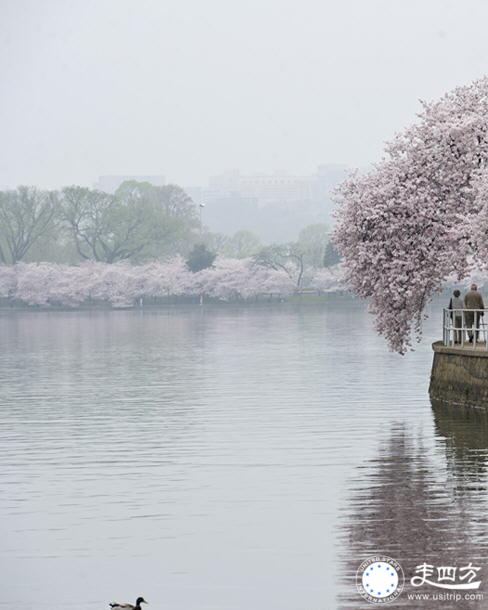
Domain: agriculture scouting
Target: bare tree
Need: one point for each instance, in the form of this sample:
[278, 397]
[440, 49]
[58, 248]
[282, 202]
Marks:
[26, 215]
[285, 257]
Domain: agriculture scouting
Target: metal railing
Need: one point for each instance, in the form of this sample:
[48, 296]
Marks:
[461, 325]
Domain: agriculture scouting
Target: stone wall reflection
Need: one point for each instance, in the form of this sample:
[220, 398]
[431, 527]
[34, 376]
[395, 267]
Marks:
[465, 431]
[417, 503]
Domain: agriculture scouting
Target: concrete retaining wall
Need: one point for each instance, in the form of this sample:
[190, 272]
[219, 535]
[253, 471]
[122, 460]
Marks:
[459, 375]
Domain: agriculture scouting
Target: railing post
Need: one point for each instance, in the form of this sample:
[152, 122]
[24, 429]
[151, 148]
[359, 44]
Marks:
[443, 326]
[462, 329]
[453, 335]
[446, 326]
[452, 326]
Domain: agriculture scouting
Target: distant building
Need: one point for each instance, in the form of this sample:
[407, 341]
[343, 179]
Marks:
[263, 187]
[279, 186]
[275, 206]
[109, 184]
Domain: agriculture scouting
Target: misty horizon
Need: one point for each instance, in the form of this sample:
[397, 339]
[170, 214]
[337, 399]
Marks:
[190, 90]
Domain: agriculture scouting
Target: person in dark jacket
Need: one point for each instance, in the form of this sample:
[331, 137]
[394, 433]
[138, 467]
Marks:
[473, 301]
[456, 307]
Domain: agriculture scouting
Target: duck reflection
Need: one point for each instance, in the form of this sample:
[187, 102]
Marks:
[416, 506]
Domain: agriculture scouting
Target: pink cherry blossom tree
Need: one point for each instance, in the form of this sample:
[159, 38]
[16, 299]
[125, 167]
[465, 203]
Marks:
[420, 215]
[123, 285]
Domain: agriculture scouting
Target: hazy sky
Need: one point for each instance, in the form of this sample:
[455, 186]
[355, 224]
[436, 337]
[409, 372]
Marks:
[188, 88]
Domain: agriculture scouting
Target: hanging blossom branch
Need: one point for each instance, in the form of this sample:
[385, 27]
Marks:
[420, 215]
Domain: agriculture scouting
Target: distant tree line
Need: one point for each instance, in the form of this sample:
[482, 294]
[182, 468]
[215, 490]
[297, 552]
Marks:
[140, 222]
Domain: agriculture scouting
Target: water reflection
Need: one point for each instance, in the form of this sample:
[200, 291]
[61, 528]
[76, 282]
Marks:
[203, 457]
[465, 431]
[419, 503]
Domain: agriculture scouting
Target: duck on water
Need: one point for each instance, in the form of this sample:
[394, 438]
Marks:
[139, 601]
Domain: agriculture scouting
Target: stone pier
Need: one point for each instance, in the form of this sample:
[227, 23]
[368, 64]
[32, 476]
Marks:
[460, 374]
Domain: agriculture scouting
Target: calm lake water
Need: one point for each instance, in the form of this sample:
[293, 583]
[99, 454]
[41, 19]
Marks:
[226, 458]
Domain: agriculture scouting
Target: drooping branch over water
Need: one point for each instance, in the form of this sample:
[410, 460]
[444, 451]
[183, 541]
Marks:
[420, 215]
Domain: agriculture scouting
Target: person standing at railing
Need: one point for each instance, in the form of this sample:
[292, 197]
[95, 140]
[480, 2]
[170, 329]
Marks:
[456, 306]
[472, 301]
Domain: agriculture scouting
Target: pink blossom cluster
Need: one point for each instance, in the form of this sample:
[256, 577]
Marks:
[420, 215]
[123, 285]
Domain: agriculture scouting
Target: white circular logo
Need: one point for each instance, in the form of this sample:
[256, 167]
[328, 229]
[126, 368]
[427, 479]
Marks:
[380, 579]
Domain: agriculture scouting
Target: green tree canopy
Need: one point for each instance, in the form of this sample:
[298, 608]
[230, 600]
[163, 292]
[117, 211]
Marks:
[200, 258]
[139, 221]
[331, 255]
[26, 215]
[242, 244]
[313, 240]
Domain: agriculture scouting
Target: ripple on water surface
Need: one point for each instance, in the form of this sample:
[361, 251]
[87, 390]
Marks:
[225, 458]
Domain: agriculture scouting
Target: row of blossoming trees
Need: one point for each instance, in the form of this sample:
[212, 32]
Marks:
[421, 215]
[143, 242]
[124, 285]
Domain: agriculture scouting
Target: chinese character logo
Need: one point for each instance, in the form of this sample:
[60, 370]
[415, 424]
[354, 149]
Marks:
[380, 579]
[447, 577]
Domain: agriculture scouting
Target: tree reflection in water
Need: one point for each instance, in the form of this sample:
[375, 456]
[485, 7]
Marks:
[420, 503]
